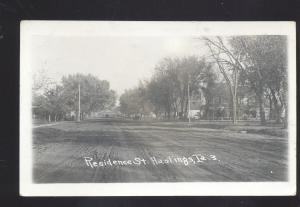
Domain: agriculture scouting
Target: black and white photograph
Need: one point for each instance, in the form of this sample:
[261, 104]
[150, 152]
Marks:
[157, 108]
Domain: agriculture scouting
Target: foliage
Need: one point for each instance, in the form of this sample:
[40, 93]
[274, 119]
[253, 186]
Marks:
[94, 93]
[265, 67]
[61, 100]
[229, 65]
[167, 90]
[134, 101]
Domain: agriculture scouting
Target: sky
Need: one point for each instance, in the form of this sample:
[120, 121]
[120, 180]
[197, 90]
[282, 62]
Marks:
[123, 60]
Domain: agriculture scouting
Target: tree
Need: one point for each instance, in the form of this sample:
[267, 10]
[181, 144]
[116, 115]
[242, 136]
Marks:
[265, 60]
[229, 64]
[54, 104]
[134, 102]
[41, 84]
[208, 89]
[43, 93]
[168, 87]
[49, 105]
[39, 107]
[160, 94]
[95, 93]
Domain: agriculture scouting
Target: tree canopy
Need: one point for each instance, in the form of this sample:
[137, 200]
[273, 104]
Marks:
[167, 89]
[256, 65]
[62, 99]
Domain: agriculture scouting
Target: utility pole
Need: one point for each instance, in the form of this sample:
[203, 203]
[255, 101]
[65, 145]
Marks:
[78, 116]
[189, 102]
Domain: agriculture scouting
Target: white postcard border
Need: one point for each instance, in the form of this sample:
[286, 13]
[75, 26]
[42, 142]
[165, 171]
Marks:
[109, 28]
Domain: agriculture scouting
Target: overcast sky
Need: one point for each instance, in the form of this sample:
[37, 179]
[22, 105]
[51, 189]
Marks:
[123, 61]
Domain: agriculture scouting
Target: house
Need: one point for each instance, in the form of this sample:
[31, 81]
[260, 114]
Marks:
[218, 105]
[106, 113]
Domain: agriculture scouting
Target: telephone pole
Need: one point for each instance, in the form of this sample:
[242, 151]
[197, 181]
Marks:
[78, 116]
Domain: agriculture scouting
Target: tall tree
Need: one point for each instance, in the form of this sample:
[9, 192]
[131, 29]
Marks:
[95, 93]
[208, 88]
[134, 101]
[229, 64]
[41, 81]
[171, 80]
[54, 104]
[265, 60]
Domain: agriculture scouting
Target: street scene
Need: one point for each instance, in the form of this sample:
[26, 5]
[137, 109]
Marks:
[160, 109]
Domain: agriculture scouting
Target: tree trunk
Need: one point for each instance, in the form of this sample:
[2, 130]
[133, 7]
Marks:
[234, 121]
[168, 113]
[261, 109]
[285, 120]
[186, 108]
[174, 115]
[277, 107]
[181, 108]
[278, 114]
[271, 108]
[206, 109]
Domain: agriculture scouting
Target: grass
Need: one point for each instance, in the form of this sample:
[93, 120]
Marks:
[253, 127]
[242, 126]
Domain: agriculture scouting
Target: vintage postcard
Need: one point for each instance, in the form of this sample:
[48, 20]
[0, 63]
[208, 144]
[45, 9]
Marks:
[157, 108]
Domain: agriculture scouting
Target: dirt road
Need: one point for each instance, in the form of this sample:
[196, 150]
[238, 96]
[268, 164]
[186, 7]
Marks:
[121, 151]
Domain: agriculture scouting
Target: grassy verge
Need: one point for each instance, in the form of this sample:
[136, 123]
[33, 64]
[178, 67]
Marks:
[242, 127]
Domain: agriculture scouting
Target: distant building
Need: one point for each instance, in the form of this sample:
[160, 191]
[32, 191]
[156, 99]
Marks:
[106, 113]
[195, 107]
[218, 106]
